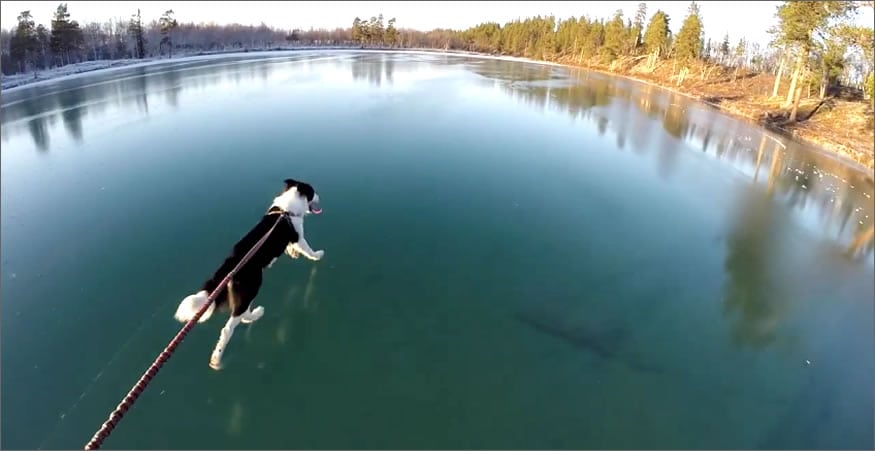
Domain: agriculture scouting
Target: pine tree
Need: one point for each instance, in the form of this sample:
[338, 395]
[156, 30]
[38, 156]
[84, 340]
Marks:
[135, 28]
[798, 23]
[391, 33]
[740, 52]
[43, 43]
[832, 63]
[656, 36]
[66, 34]
[638, 26]
[724, 49]
[59, 27]
[614, 37]
[168, 24]
[23, 42]
[357, 30]
[689, 39]
[546, 38]
[375, 30]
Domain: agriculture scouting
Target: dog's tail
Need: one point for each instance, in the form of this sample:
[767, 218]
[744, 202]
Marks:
[190, 306]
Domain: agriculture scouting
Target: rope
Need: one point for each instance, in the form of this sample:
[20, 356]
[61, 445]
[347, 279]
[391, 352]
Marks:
[116, 416]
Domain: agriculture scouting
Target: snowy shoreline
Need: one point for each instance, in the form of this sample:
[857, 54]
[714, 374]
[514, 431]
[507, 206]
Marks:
[55, 73]
[11, 82]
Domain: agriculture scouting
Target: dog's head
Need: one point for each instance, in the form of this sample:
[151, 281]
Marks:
[298, 198]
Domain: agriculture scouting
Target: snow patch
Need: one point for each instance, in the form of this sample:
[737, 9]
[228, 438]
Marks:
[12, 81]
[8, 82]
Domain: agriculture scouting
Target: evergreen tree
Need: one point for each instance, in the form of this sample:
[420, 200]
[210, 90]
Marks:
[740, 52]
[614, 37]
[798, 23]
[375, 30]
[43, 44]
[357, 32]
[724, 49]
[135, 28]
[689, 40]
[391, 33]
[168, 24]
[59, 26]
[638, 26]
[66, 35]
[23, 42]
[657, 34]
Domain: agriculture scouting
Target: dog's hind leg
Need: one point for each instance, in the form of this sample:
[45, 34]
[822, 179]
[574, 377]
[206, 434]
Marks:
[234, 296]
[241, 291]
[246, 292]
[224, 338]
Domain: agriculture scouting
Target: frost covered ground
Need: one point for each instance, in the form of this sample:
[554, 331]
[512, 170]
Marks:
[17, 80]
[11, 81]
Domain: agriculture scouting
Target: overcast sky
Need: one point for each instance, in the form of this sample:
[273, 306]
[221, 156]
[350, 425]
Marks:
[749, 19]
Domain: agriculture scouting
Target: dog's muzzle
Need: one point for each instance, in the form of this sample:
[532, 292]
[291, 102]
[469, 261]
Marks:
[315, 208]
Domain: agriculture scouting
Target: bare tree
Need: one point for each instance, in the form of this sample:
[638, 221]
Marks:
[93, 39]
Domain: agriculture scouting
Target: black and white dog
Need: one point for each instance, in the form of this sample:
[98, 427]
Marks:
[297, 200]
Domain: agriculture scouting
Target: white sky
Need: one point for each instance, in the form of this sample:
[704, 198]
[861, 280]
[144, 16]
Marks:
[750, 19]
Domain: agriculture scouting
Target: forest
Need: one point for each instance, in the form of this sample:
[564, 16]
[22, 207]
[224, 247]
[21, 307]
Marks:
[818, 56]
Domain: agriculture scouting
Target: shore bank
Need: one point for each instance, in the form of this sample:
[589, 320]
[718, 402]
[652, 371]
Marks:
[838, 124]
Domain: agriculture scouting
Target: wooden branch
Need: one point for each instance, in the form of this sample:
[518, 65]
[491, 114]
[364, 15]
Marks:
[816, 107]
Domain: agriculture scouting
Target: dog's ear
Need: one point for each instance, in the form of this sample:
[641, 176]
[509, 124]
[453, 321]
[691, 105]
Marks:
[289, 184]
[307, 191]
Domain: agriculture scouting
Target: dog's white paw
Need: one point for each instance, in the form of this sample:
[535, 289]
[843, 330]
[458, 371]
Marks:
[216, 359]
[252, 316]
[294, 253]
[318, 255]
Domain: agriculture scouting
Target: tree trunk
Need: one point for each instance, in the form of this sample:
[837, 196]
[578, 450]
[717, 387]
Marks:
[778, 78]
[793, 81]
[796, 104]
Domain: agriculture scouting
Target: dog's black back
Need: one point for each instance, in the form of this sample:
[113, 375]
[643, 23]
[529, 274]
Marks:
[245, 284]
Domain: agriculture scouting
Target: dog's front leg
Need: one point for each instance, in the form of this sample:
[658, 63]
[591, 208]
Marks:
[303, 247]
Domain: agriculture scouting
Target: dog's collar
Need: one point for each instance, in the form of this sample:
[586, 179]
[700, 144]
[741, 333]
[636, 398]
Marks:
[278, 211]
